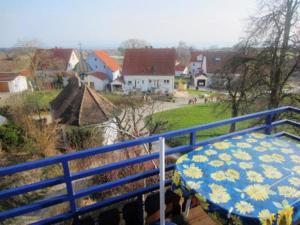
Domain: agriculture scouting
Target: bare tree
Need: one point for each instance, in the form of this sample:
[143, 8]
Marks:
[183, 53]
[137, 119]
[274, 31]
[133, 43]
[240, 76]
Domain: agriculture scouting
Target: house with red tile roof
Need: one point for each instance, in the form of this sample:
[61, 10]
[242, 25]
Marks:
[149, 70]
[56, 59]
[205, 64]
[12, 82]
[50, 64]
[101, 61]
[180, 70]
[97, 80]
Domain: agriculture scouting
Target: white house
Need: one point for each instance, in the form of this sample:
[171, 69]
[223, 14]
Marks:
[12, 82]
[149, 70]
[97, 80]
[100, 61]
[197, 64]
[181, 70]
[51, 63]
[201, 80]
[205, 64]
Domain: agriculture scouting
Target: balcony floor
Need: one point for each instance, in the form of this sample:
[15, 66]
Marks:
[198, 217]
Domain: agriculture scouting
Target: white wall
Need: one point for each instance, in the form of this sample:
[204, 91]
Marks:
[99, 85]
[110, 133]
[72, 61]
[18, 84]
[156, 83]
[201, 77]
[194, 66]
[98, 65]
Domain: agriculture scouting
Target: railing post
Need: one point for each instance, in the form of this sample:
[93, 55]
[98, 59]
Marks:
[162, 180]
[70, 190]
[269, 120]
[193, 138]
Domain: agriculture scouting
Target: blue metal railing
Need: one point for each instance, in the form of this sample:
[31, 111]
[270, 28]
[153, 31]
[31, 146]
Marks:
[69, 177]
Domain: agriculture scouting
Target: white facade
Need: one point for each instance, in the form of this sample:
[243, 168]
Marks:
[72, 61]
[18, 84]
[149, 83]
[198, 66]
[201, 81]
[96, 83]
[97, 65]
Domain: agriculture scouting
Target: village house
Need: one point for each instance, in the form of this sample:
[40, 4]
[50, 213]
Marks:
[12, 82]
[97, 80]
[149, 70]
[205, 64]
[100, 61]
[181, 70]
[51, 63]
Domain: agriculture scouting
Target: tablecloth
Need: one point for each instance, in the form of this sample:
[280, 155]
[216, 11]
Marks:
[248, 179]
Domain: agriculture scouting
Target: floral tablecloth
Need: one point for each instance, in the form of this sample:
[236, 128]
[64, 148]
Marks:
[248, 179]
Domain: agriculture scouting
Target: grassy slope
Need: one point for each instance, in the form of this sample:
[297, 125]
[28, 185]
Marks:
[195, 115]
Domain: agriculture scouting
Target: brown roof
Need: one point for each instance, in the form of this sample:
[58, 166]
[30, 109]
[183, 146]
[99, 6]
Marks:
[107, 60]
[99, 75]
[149, 61]
[215, 60]
[5, 77]
[53, 59]
[8, 65]
[79, 105]
[180, 67]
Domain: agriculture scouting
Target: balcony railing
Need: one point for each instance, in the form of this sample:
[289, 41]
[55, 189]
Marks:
[68, 178]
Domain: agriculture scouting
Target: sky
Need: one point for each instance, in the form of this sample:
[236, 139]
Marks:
[106, 23]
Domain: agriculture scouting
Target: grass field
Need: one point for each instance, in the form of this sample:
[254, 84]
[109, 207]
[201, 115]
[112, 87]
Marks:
[203, 92]
[195, 115]
[39, 100]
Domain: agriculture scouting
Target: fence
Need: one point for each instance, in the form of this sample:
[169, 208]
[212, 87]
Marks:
[71, 196]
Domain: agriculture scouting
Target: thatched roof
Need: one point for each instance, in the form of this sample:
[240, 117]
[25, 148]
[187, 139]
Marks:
[80, 105]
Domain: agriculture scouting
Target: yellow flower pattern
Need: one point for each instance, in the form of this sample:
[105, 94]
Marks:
[258, 192]
[222, 145]
[193, 172]
[251, 176]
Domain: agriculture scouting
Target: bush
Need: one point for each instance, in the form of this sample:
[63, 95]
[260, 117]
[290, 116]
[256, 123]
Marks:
[11, 136]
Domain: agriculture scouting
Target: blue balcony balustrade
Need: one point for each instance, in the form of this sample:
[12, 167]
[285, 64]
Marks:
[68, 178]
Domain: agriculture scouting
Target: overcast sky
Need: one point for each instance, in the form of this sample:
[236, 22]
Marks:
[106, 23]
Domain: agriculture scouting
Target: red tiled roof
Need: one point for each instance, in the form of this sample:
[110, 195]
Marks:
[99, 75]
[107, 60]
[215, 60]
[5, 77]
[149, 61]
[180, 67]
[55, 58]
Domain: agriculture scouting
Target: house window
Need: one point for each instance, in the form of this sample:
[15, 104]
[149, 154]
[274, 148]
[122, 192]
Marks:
[104, 66]
[218, 59]
[142, 81]
[150, 81]
[166, 81]
[193, 64]
[96, 67]
[129, 82]
[92, 84]
[95, 59]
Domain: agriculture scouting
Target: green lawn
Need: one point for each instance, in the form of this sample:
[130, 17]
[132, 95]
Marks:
[202, 92]
[40, 99]
[195, 115]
